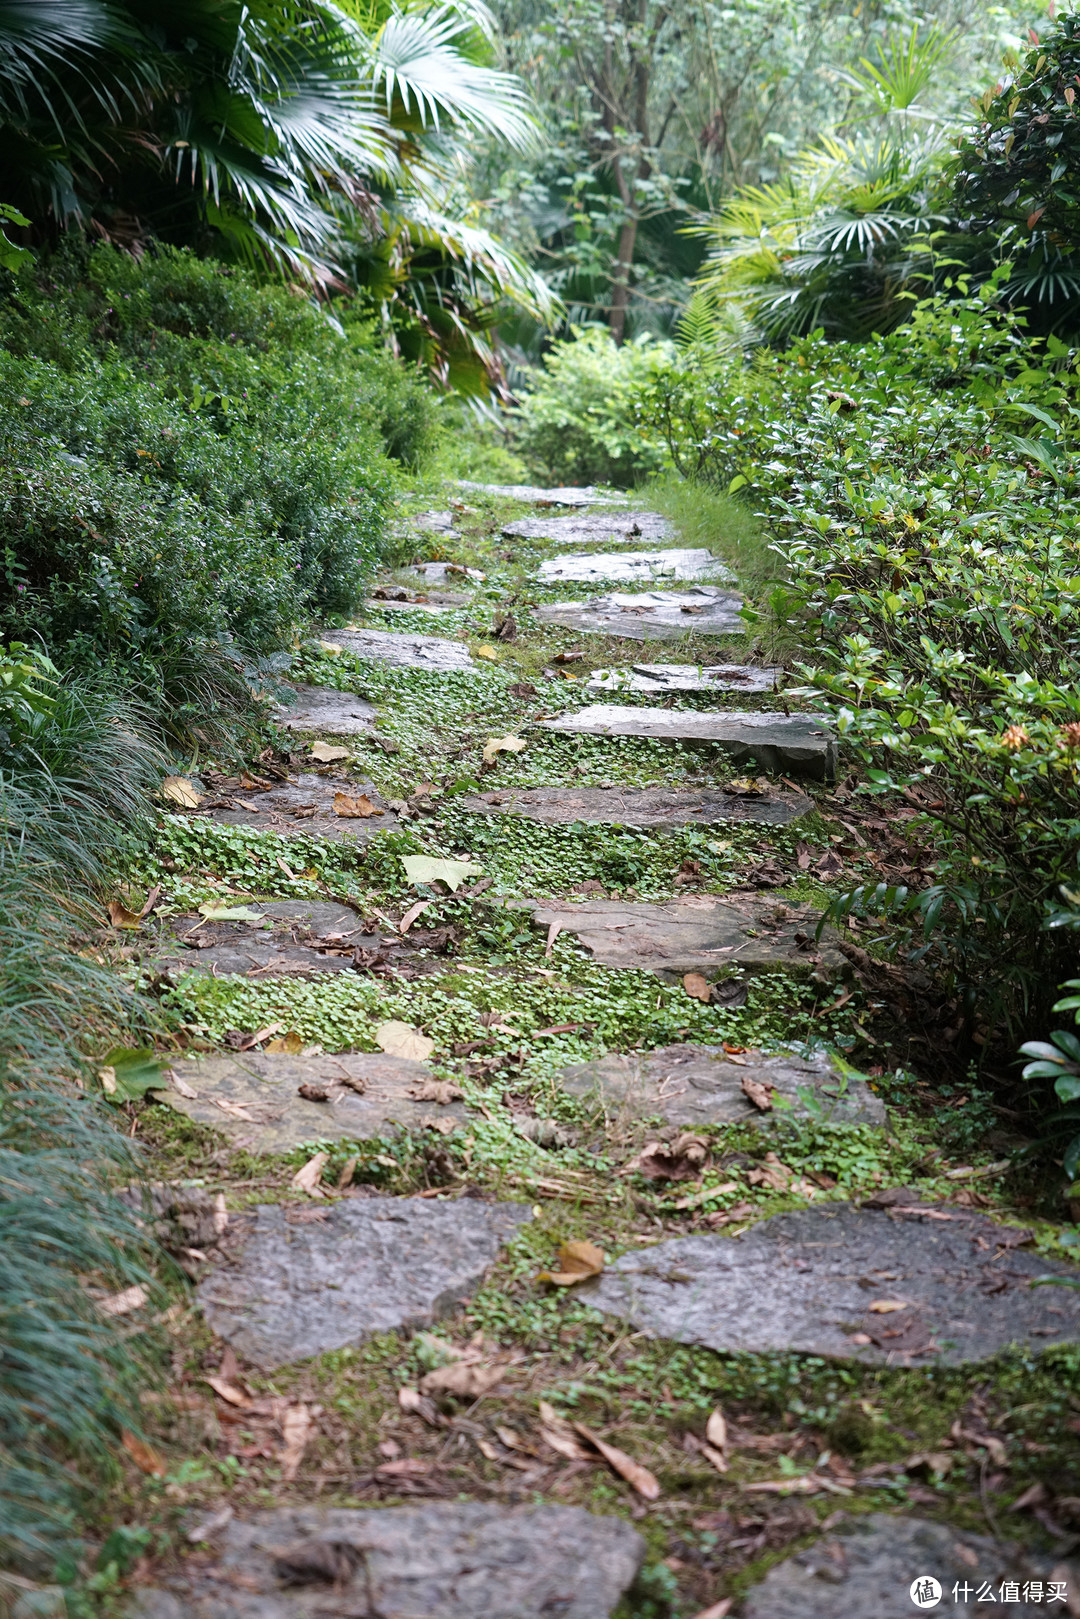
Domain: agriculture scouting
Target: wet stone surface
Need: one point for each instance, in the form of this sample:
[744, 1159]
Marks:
[785, 744]
[319, 708]
[254, 1097]
[807, 1282]
[864, 1568]
[594, 528]
[302, 1286]
[650, 615]
[435, 1560]
[303, 806]
[693, 1085]
[642, 806]
[699, 933]
[288, 938]
[635, 567]
[666, 677]
[564, 495]
[402, 650]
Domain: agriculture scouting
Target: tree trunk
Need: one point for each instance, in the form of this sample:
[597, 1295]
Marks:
[620, 286]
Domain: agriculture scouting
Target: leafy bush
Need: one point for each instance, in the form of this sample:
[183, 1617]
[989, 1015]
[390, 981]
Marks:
[580, 417]
[191, 463]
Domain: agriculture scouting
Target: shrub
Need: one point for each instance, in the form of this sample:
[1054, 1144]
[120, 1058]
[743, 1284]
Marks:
[580, 416]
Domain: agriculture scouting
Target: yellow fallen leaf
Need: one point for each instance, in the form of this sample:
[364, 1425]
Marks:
[397, 1039]
[331, 649]
[487, 652]
[121, 917]
[291, 1043]
[716, 1431]
[327, 755]
[144, 1456]
[639, 1478]
[178, 790]
[355, 808]
[577, 1262]
[502, 744]
[887, 1306]
[107, 1077]
[307, 1179]
[698, 986]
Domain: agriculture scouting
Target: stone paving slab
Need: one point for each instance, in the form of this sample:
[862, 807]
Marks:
[785, 744]
[280, 944]
[434, 602]
[264, 1111]
[642, 806]
[698, 933]
[302, 806]
[694, 1084]
[432, 522]
[650, 615]
[564, 495]
[865, 1566]
[362, 1267]
[402, 650]
[674, 677]
[435, 1560]
[634, 567]
[592, 528]
[320, 708]
[805, 1282]
[444, 572]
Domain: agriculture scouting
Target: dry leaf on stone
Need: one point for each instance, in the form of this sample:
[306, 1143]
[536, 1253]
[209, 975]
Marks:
[132, 1298]
[436, 1090]
[181, 1086]
[698, 986]
[178, 790]
[327, 755]
[307, 1179]
[760, 1095]
[679, 1160]
[412, 913]
[887, 1306]
[358, 808]
[313, 1093]
[424, 868]
[639, 1478]
[399, 1040]
[468, 1380]
[144, 1456]
[577, 1262]
[502, 744]
[291, 1044]
[297, 1431]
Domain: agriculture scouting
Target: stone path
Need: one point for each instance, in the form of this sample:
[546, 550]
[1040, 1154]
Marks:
[500, 1399]
[794, 743]
[529, 494]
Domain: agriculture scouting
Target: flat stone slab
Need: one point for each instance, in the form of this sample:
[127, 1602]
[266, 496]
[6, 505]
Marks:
[254, 1097]
[300, 807]
[699, 933]
[436, 1560]
[445, 603]
[433, 522]
[593, 528]
[288, 938]
[642, 806]
[634, 567]
[321, 708]
[806, 1282]
[402, 650]
[651, 615]
[785, 744]
[668, 677]
[691, 1085]
[444, 572]
[865, 1567]
[371, 1265]
[565, 495]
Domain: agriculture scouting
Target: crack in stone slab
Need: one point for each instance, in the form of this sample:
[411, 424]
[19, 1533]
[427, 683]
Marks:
[695, 1084]
[792, 744]
[804, 1283]
[667, 677]
[370, 1266]
[265, 1113]
[650, 615]
[432, 1560]
[641, 806]
[594, 528]
[635, 567]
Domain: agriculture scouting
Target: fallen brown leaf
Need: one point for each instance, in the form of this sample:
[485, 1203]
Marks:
[121, 917]
[144, 1456]
[292, 1043]
[397, 1039]
[307, 1179]
[577, 1262]
[771, 1173]
[559, 1435]
[719, 1610]
[297, 1431]
[436, 1090]
[716, 1431]
[467, 1379]
[502, 744]
[327, 755]
[229, 1392]
[887, 1306]
[132, 1298]
[350, 808]
[313, 1093]
[178, 790]
[760, 1095]
[698, 986]
[639, 1478]
[680, 1160]
[412, 913]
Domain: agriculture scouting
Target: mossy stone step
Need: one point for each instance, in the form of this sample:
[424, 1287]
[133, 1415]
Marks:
[642, 806]
[308, 1280]
[431, 1560]
[692, 1085]
[785, 744]
[650, 615]
[911, 1284]
[302, 806]
[285, 938]
[320, 708]
[530, 494]
[401, 650]
[634, 567]
[254, 1097]
[649, 678]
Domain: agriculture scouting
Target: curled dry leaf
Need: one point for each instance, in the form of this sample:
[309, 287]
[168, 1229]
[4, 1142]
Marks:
[291, 1043]
[313, 1093]
[307, 1179]
[145, 1457]
[559, 1435]
[468, 1380]
[679, 1160]
[760, 1095]
[178, 790]
[297, 1431]
[639, 1478]
[121, 917]
[577, 1262]
[231, 1393]
[436, 1090]
[772, 1173]
[327, 755]
[399, 1040]
[412, 913]
[357, 808]
[181, 1086]
[698, 986]
[716, 1431]
[502, 744]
